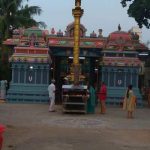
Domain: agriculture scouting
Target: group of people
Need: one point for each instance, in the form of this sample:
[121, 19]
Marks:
[102, 94]
[129, 101]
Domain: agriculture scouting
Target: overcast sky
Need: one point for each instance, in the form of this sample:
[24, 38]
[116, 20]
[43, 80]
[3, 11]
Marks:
[98, 14]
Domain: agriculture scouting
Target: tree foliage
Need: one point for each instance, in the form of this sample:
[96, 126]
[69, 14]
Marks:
[14, 14]
[139, 10]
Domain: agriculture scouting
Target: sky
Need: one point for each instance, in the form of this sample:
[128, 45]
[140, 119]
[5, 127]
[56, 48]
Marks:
[98, 14]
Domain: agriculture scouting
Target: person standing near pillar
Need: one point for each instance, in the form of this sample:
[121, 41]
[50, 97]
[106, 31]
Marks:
[91, 102]
[102, 94]
[51, 91]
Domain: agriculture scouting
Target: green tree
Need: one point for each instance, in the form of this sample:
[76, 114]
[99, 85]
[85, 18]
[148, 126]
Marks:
[14, 14]
[139, 10]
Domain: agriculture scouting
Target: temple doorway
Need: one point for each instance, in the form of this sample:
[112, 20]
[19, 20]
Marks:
[60, 68]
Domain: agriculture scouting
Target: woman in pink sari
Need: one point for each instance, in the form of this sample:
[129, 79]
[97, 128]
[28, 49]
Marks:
[102, 97]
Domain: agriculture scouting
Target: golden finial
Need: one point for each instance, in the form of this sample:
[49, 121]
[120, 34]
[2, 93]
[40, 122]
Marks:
[78, 3]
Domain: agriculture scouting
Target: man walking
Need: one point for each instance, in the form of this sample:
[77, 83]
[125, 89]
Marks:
[51, 91]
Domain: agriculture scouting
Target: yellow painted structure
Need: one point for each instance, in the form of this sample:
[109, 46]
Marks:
[77, 13]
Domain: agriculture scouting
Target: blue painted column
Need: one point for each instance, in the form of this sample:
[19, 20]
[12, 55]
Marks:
[108, 77]
[19, 68]
[25, 73]
[47, 76]
[42, 75]
[12, 74]
[125, 81]
[3, 84]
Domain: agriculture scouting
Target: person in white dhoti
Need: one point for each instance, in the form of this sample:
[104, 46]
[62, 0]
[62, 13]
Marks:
[51, 91]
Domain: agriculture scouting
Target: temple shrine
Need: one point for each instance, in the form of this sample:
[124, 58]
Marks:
[39, 55]
[30, 63]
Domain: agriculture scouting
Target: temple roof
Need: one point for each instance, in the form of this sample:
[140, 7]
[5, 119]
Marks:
[120, 35]
[37, 31]
[30, 54]
[69, 42]
[70, 30]
[35, 37]
[121, 40]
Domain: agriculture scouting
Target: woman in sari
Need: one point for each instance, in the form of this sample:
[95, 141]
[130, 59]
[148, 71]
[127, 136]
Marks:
[129, 102]
[102, 94]
[91, 102]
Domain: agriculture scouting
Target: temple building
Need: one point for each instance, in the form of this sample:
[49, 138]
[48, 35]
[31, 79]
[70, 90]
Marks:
[30, 63]
[39, 55]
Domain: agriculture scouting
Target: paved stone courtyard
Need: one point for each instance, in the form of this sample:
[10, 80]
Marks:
[32, 127]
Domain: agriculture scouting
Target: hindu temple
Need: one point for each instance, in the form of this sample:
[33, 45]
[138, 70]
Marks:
[39, 55]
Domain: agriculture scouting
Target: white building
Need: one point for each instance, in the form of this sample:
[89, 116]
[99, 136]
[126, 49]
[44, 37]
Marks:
[136, 30]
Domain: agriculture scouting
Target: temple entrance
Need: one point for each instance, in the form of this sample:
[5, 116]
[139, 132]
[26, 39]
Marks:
[60, 68]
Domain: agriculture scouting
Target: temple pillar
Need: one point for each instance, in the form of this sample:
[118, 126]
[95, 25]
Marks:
[25, 74]
[19, 68]
[12, 75]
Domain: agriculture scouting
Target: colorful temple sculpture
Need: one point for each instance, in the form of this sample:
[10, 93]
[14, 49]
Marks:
[39, 56]
[30, 64]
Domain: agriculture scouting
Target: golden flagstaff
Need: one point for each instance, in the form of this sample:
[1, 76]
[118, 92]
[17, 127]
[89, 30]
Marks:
[77, 13]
